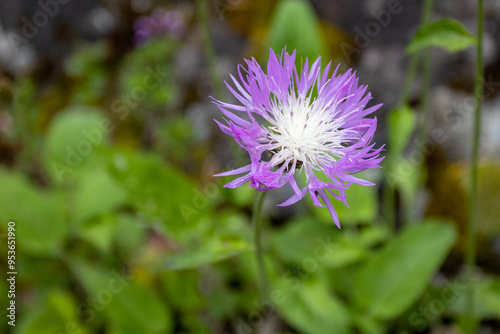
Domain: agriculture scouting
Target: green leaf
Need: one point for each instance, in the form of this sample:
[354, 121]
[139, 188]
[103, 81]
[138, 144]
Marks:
[310, 307]
[445, 33]
[96, 193]
[89, 73]
[395, 277]
[296, 26]
[99, 232]
[39, 215]
[362, 201]
[453, 296]
[488, 299]
[130, 307]
[310, 239]
[163, 194]
[129, 234]
[57, 314]
[182, 289]
[368, 325]
[73, 138]
[402, 122]
[211, 251]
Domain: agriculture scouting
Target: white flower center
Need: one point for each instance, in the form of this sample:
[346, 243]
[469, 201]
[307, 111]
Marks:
[303, 133]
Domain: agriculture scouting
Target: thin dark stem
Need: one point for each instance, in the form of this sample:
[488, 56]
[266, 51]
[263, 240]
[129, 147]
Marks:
[259, 251]
[202, 9]
[470, 251]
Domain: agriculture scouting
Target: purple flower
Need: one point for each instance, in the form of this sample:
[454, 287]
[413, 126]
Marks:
[159, 23]
[301, 122]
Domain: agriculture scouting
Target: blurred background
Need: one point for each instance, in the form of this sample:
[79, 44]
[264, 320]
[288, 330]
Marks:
[108, 150]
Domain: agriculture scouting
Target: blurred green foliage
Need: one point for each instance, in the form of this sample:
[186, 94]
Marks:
[115, 236]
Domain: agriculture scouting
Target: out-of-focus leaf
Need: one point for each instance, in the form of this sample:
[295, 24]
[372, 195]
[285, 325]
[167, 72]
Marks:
[394, 277]
[211, 251]
[488, 299]
[362, 201]
[402, 172]
[39, 215]
[445, 33]
[240, 196]
[176, 138]
[310, 307]
[182, 289]
[89, 72]
[129, 234]
[296, 26]
[452, 294]
[96, 193]
[311, 239]
[402, 122]
[368, 325]
[98, 232]
[58, 315]
[130, 307]
[162, 193]
[73, 138]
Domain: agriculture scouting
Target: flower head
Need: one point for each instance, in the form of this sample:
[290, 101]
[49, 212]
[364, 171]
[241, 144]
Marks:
[292, 122]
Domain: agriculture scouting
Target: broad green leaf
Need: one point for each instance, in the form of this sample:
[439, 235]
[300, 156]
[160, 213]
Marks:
[57, 315]
[454, 294]
[129, 307]
[395, 277]
[296, 26]
[139, 310]
[446, 33]
[310, 307]
[488, 299]
[368, 325]
[163, 194]
[310, 239]
[73, 138]
[96, 193]
[183, 290]
[402, 122]
[39, 215]
[362, 201]
[129, 234]
[401, 171]
[99, 232]
[209, 252]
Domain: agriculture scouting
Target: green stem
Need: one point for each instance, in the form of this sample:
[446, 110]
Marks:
[389, 197]
[259, 251]
[424, 107]
[427, 65]
[202, 9]
[412, 68]
[405, 203]
[470, 251]
[410, 75]
[426, 88]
